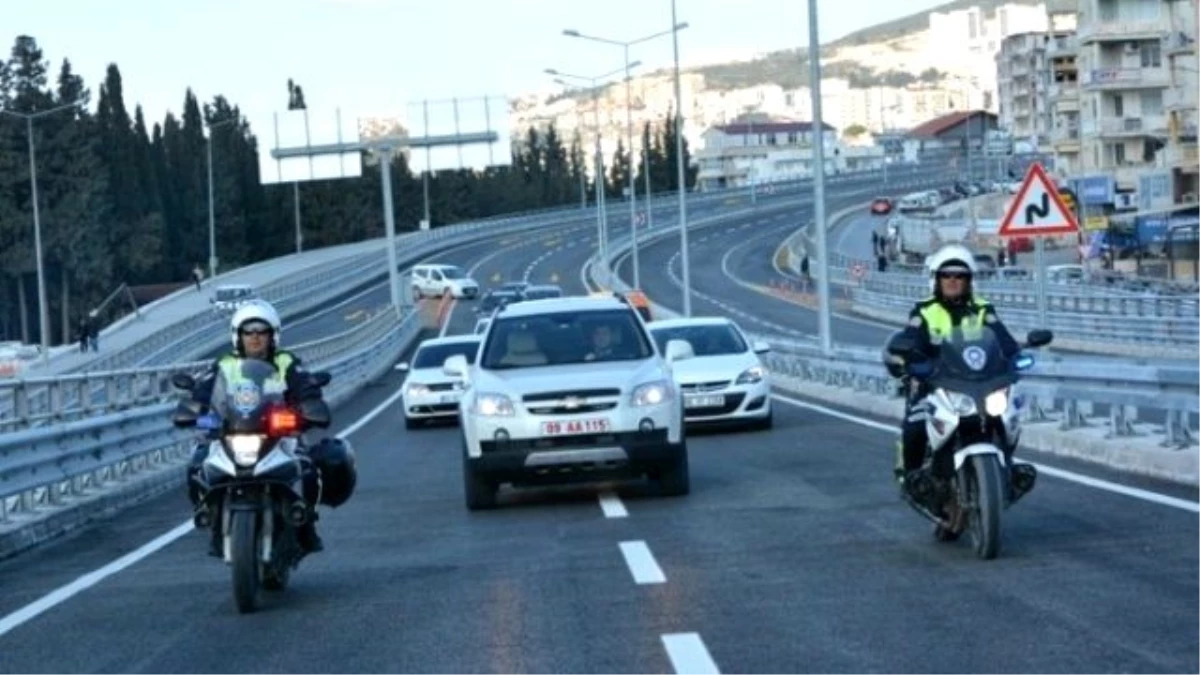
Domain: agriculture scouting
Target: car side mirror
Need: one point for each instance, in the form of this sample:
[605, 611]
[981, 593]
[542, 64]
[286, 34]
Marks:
[679, 350]
[761, 347]
[456, 366]
[402, 366]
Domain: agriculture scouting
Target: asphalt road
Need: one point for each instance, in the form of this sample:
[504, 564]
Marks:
[792, 554]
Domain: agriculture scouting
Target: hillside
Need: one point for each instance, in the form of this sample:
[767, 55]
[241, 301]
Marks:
[916, 22]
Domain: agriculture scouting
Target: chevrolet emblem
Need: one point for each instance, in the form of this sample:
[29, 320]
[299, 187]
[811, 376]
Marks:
[572, 402]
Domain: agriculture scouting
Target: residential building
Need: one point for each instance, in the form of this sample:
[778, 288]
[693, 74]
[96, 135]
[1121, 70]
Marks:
[1021, 80]
[969, 39]
[1063, 93]
[762, 150]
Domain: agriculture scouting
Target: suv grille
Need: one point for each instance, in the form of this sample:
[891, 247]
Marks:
[572, 402]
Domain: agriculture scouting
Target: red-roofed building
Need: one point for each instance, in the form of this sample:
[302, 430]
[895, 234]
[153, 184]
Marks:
[948, 136]
[765, 151]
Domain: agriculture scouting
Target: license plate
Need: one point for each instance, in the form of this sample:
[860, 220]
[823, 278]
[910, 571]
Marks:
[705, 401]
[451, 398]
[588, 426]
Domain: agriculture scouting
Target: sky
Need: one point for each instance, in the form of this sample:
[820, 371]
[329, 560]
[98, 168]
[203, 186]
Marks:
[379, 57]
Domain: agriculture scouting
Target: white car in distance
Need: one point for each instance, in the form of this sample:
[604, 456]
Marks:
[441, 280]
[570, 390]
[725, 382]
[428, 393]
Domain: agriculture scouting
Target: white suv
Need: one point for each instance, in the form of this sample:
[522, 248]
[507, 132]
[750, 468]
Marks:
[439, 280]
[570, 389]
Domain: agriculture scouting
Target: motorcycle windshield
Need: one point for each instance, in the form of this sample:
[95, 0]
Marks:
[243, 391]
[972, 362]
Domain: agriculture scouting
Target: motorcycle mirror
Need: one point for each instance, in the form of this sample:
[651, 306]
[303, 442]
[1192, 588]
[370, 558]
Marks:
[183, 381]
[1039, 338]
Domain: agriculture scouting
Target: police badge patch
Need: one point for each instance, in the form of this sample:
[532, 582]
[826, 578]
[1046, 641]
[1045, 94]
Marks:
[975, 357]
[246, 397]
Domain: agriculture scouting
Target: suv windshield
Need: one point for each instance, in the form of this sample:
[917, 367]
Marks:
[433, 356]
[565, 338]
[452, 273]
[712, 340]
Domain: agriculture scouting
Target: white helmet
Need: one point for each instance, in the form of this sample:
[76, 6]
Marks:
[955, 257]
[256, 310]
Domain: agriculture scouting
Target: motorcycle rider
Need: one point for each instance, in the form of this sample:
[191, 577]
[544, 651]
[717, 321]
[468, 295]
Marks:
[255, 331]
[952, 306]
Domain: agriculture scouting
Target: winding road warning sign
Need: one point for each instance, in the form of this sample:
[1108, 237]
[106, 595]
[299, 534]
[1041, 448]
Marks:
[1037, 209]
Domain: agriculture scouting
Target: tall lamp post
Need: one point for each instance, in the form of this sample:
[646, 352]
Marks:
[212, 219]
[625, 45]
[824, 315]
[43, 312]
[681, 175]
[601, 211]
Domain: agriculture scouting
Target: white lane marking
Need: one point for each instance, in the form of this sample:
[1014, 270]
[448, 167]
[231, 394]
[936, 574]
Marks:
[612, 506]
[688, 654]
[641, 563]
[1100, 484]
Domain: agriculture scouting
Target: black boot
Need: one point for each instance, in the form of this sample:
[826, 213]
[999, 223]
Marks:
[216, 544]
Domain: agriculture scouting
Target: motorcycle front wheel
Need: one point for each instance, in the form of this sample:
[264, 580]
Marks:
[245, 565]
[983, 481]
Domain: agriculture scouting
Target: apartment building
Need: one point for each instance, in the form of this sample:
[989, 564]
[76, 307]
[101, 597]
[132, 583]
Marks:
[969, 39]
[756, 150]
[1063, 93]
[1137, 60]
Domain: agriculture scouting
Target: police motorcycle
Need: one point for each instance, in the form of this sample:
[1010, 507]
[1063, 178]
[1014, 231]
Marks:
[254, 479]
[973, 423]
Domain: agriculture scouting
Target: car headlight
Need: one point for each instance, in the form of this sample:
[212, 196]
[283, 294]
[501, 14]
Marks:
[245, 449]
[417, 390]
[652, 393]
[996, 403]
[752, 375]
[493, 405]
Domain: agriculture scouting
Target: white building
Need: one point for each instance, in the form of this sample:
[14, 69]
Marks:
[766, 151]
[1062, 50]
[969, 39]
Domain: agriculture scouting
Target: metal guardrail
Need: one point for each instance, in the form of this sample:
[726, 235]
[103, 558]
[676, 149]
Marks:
[42, 468]
[1093, 320]
[1065, 388]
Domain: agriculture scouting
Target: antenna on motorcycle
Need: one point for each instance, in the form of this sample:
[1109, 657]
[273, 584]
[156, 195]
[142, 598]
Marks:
[282, 422]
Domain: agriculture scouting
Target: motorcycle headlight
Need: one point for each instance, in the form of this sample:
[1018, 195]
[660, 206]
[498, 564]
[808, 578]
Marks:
[493, 405]
[961, 404]
[417, 390]
[996, 403]
[751, 375]
[652, 393]
[245, 449]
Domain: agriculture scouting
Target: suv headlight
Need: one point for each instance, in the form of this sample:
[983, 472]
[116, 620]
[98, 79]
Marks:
[417, 390]
[493, 405]
[652, 393]
[751, 375]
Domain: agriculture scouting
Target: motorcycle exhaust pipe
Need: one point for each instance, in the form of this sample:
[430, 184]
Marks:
[298, 514]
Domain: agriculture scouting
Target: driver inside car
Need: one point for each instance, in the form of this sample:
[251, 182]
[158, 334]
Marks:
[953, 307]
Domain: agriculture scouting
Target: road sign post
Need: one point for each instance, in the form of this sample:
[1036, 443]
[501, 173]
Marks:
[383, 137]
[1038, 211]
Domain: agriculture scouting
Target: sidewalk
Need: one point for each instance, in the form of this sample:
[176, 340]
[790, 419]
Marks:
[184, 304]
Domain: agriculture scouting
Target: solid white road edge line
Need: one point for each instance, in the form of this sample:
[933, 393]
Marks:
[641, 563]
[688, 654]
[1071, 476]
[68, 591]
[611, 504]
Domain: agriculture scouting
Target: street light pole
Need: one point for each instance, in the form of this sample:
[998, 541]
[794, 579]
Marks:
[625, 45]
[683, 238]
[212, 218]
[601, 211]
[814, 76]
[43, 310]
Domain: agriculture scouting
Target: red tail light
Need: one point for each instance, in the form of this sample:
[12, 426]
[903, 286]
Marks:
[282, 422]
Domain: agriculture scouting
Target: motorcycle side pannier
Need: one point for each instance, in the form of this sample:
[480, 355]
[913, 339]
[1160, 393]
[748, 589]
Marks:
[336, 465]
